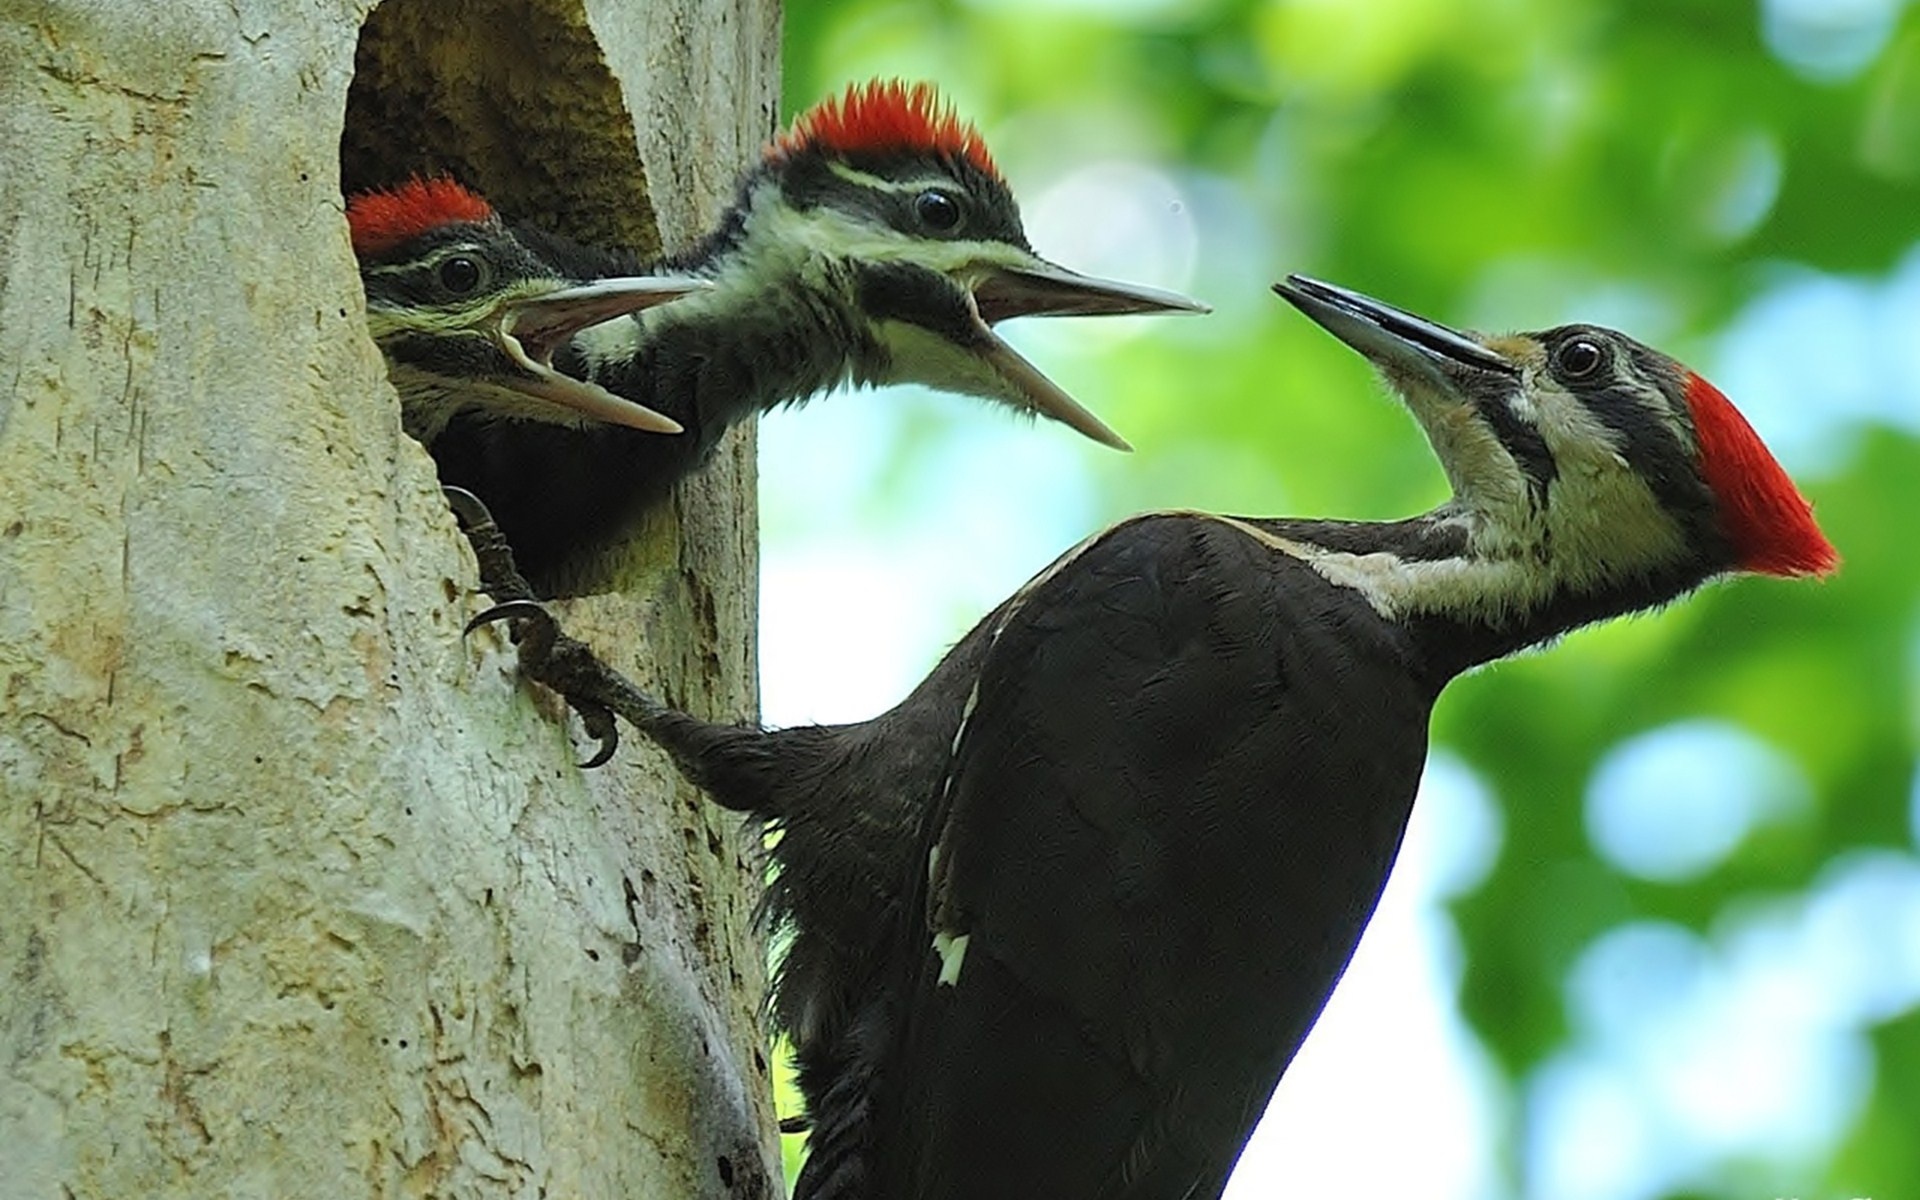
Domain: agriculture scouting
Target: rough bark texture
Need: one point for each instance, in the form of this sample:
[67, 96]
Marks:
[300, 894]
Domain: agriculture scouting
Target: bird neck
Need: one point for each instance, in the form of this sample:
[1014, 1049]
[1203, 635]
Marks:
[1472, 588]
[779, 326]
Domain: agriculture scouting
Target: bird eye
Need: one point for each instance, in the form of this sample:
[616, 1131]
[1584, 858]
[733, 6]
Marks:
[459, 274]
[1579, 358]
[937, 210]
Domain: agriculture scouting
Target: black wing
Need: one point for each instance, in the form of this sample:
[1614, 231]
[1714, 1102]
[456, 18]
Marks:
[1170, 813]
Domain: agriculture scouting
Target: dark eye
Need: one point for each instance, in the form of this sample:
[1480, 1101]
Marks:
[937, 210]
[459, 274]
[1579, 358]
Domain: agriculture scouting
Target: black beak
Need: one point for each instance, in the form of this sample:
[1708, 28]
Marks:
[1389, 336]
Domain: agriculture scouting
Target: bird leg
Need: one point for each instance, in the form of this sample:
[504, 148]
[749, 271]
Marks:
[547, 655]
[500, 577]
[729, 761]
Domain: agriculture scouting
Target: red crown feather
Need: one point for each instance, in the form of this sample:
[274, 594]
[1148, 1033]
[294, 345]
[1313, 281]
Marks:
[886, 115]
[1769, 521]
[381, 220]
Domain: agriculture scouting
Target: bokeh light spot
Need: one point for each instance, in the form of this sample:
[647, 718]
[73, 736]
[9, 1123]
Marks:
[1828, 40]
[1672, 803]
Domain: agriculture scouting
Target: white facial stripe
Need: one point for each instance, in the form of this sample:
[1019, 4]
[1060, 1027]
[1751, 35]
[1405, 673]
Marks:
[384, 320]
[1599, 521]
[1477, 463]
[1602, 519]
[431, 261]
[862, 179]
[825, 233]
[478, 313]
[1652, 402]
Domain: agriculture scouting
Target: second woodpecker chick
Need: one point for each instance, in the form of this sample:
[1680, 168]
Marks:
[874, 243]
[470, 311]
[1059, 921]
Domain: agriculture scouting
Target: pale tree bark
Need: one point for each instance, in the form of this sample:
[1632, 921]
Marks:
[300, 893]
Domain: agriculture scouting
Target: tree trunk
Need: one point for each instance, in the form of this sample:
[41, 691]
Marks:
[301, 894]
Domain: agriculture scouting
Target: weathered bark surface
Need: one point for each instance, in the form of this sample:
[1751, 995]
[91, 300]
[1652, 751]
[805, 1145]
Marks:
[300, 894]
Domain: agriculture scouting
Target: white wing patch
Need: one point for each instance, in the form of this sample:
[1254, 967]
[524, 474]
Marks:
[953, 952]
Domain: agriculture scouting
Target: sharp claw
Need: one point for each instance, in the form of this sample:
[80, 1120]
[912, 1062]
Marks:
[609, 735]
[512, 610]
[549, 657]
[546, 655]
[469, 509]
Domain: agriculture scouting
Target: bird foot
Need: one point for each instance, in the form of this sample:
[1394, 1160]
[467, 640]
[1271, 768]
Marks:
[565, 664]
[548, 655]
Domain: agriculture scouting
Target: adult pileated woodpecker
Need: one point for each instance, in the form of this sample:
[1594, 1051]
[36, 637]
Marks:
[1060, 919]
[875, 242]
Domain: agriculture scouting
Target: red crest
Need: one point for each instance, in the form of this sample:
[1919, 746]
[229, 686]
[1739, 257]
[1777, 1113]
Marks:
[886, 115]
[1769, 521]
[381, 220]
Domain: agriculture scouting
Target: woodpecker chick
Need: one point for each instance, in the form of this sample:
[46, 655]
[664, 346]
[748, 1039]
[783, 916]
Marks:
[874, 243]
[1059, 921]
[470, 310]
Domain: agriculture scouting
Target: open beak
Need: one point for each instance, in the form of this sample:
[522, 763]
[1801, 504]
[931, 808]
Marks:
[1041, 289]
[1044, 290]
[529, 329]
[1394, 339]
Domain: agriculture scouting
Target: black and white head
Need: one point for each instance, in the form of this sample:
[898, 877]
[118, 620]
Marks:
[884, 198]
[469, 310]
[1582, 462]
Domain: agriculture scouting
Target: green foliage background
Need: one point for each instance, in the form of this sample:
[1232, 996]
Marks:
[1653, 164]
